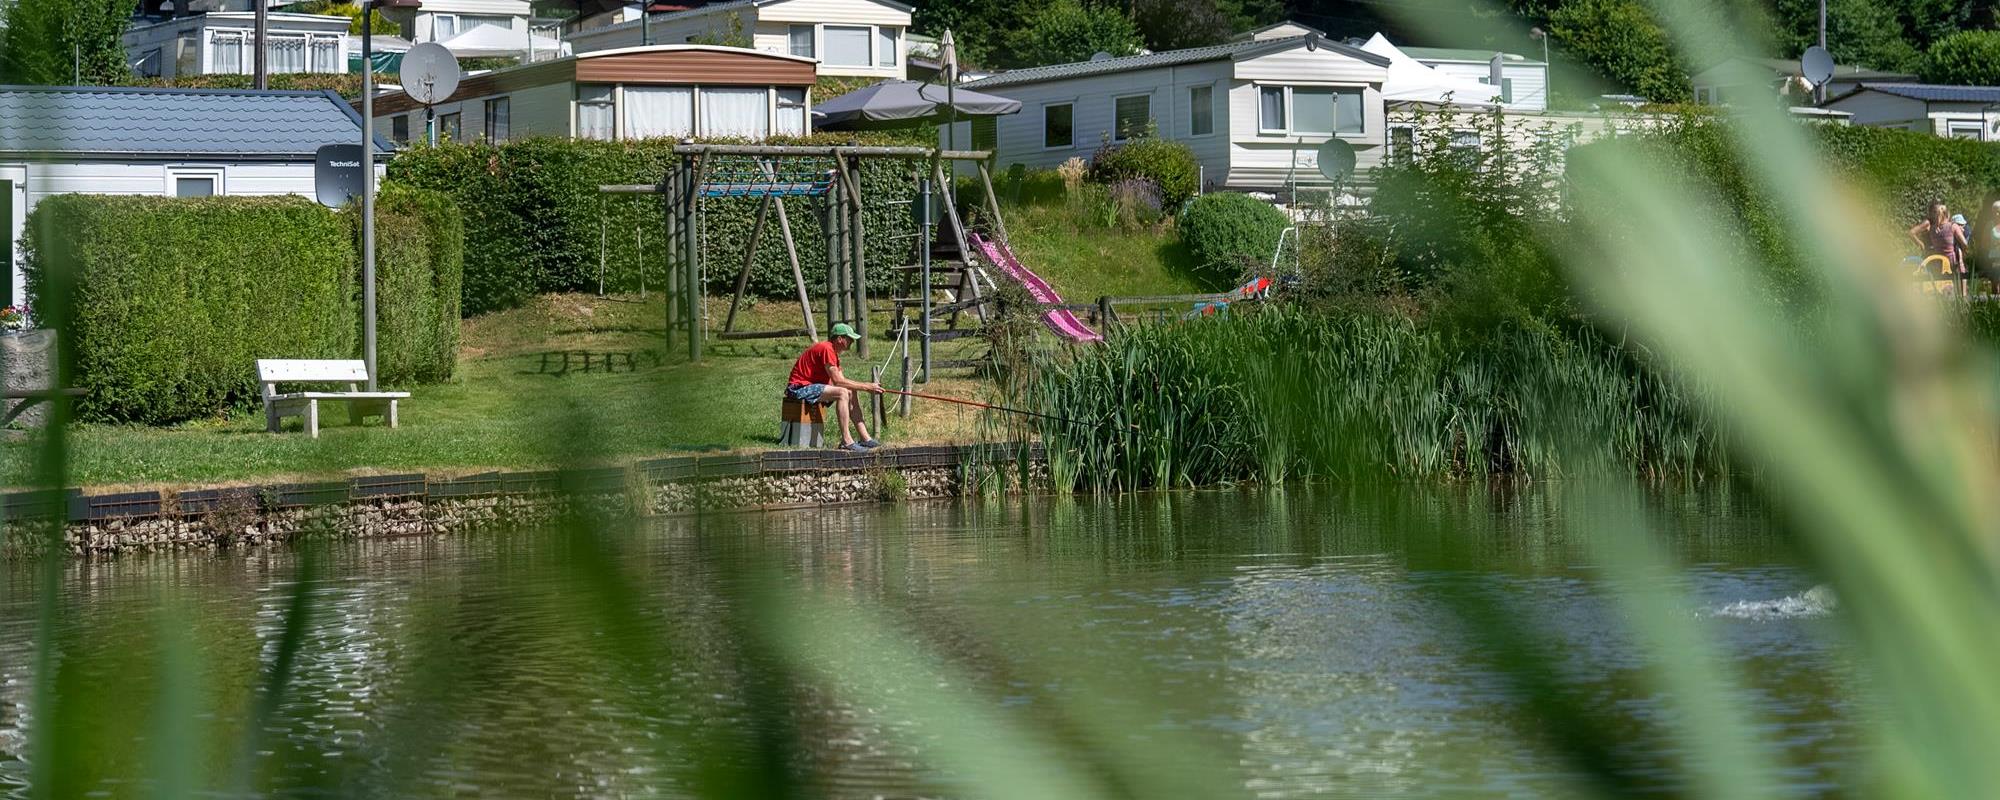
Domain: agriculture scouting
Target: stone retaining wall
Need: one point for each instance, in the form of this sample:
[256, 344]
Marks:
[407, 505]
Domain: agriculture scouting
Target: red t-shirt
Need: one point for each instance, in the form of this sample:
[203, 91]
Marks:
[815, 365]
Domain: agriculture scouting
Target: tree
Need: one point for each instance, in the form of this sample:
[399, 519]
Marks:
[1622, 42]
[1067, 30]
[1966, 58]
[381, 26]
[1177, 24]
[49, 42]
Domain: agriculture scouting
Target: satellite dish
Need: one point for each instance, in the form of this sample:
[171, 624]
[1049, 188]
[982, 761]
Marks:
[1816, 65]
[430, 73]
[1100, 56]
[1336, 159]
[337, 172]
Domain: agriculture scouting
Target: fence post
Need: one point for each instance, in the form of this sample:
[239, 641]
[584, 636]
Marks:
[875, 409]
[903, 402]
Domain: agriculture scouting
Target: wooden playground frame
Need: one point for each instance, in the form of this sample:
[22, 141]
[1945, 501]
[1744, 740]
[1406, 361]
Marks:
[771, 174]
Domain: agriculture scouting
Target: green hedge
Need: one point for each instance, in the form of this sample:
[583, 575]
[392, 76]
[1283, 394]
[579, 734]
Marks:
[535, 222]
[175, 300]
[419, 257]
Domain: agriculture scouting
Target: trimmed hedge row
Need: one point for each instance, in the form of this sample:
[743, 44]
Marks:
[174, 300]
[419, 260]
[535, 222]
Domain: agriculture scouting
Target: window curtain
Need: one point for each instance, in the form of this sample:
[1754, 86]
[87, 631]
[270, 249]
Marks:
[1347, 112]
[1201, 110]
[736, 112]
[801, 40]
[497, 111]
[326, 54]
[226, 56]
[443, 26]
[791, 112]
[286, 54]
[847, 46]
[1271, 108]
[595, 116]
[659, 111]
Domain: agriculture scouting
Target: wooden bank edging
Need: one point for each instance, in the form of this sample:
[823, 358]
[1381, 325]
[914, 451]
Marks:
[419, 503]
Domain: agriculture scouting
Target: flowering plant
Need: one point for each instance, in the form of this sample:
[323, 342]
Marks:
[14, 318]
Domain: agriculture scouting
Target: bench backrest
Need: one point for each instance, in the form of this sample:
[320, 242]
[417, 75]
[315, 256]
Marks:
[306, 370]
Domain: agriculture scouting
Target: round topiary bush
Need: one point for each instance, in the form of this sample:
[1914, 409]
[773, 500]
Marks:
[1229, 234]
[1170, 165]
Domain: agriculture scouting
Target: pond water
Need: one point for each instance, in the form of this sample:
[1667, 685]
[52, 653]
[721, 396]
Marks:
[1298, 643]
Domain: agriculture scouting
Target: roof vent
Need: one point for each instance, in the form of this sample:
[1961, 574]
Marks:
[1100, 56]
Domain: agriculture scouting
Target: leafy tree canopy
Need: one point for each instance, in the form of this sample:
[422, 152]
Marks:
[53, 42]
[1966, 58]
[1068, 30]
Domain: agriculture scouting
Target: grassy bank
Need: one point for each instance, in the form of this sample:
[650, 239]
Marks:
[511, 407]
[1085, 261]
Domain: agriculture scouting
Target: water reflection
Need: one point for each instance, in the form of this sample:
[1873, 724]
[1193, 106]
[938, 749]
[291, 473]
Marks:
[1296, 637]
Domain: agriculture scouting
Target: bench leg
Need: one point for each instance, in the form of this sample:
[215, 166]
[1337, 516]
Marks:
[392, 413]
[270, 417]
[312, 418]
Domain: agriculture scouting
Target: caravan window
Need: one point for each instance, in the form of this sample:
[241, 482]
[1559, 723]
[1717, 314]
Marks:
[1201, 110]
[1056, 128]
[596, 118]
[848, 46]
[497, 110]
[1130, 116]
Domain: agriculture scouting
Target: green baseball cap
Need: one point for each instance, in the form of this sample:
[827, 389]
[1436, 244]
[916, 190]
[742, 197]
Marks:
[843, 329]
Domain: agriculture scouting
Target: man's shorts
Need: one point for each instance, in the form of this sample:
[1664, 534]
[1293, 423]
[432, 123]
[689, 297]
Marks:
[808, 393]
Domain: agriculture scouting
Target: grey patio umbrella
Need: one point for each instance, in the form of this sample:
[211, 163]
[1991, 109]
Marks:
[902, 103]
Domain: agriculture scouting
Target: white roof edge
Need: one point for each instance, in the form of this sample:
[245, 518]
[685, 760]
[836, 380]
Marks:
[654, 48]
[246, 16]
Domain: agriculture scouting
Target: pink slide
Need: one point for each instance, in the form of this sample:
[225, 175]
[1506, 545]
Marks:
[1062, 321]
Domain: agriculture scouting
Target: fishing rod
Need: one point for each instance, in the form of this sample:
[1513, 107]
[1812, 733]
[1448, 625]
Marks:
[977, 404]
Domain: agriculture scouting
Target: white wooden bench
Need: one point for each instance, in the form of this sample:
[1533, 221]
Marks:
[273, 371]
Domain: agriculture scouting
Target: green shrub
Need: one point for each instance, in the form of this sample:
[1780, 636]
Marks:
[175, 300]
[1229, 234]
[1167, 163]
[419, 261]
[535, 222]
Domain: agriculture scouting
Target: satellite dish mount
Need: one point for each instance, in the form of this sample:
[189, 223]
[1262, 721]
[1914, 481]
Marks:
[430, 75]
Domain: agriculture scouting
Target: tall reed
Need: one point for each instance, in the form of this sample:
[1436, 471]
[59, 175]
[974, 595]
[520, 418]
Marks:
[1282, 393]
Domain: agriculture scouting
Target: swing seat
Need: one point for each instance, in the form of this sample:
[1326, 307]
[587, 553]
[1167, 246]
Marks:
[801, 424]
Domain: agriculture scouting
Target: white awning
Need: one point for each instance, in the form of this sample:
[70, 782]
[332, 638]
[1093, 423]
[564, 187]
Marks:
[1410, 79]
[489, 41]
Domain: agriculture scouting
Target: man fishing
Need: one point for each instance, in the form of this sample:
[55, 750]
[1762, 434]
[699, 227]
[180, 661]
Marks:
[816, 378]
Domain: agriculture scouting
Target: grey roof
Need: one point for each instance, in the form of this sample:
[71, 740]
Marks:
[141, 122]
[1931, 92]
[1464, 54]
[1850, 72]
[1192, 55]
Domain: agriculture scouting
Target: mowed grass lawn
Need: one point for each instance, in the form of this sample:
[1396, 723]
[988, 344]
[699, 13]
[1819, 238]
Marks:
[510, 406]
[1085, 262]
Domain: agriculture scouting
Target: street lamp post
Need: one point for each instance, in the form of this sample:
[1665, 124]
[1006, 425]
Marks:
[1548, 69]
[368, 175]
